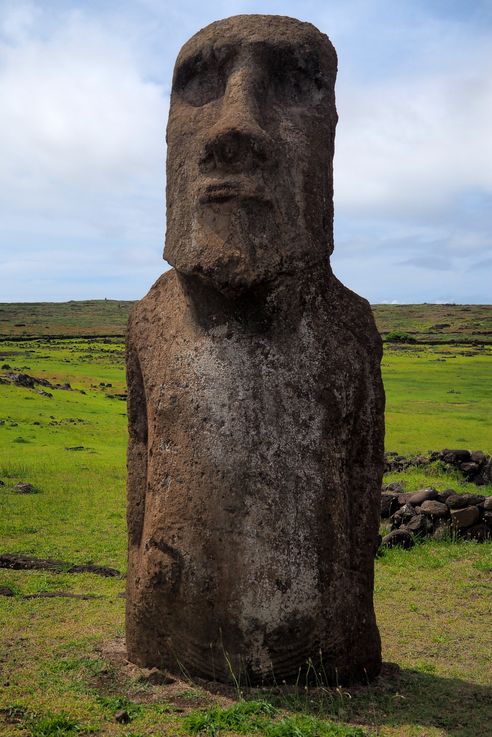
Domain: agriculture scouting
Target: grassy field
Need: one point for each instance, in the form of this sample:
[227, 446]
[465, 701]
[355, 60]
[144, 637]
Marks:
[62, 664]
[425, 323]
[90, 317]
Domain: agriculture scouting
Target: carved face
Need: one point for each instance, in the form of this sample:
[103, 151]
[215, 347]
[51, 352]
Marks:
[250, 149]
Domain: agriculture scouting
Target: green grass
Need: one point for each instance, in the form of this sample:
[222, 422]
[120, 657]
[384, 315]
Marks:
[438, 397]
[58, 675]
[253, 717]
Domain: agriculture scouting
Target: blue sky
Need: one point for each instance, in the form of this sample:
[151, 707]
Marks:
[85, 89]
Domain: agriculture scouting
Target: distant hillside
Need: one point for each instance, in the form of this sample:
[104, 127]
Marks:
[88, 317]
[425, 323]
[437, 323]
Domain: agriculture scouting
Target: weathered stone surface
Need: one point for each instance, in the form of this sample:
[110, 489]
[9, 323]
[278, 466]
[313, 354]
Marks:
[403, 515]
[394, 486]
[458, 501]
[255, 399]
[487, 504]
[398, 538]
[423, 495]
[444, 495]
[474, 500]
[389, 504]
[485, 476]
[466, 517]
[475, 466]
[487, 518]
[455, 456]
[405, 497]
[469, 469]
[24, 488]
[478, 456]
[419, 524]
[434, 509]
[443, 529]
[122, 717]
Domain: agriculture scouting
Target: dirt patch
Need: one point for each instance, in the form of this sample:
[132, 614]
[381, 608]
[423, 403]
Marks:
[27, 563]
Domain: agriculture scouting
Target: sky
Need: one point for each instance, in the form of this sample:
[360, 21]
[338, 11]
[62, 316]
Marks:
[84, 90]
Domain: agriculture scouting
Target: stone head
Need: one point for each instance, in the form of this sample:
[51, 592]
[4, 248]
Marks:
[250, 151]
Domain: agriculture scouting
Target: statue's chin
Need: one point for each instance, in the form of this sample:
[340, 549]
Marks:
[232, 278]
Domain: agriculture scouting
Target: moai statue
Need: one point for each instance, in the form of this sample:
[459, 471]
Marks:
[255, 396]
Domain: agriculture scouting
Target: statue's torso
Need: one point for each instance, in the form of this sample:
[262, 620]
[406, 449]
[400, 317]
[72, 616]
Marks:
[249, 471]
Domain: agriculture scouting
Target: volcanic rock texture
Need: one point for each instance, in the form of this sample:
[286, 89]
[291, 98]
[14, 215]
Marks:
[255, 399]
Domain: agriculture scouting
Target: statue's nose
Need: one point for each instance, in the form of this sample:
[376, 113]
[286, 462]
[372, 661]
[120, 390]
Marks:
[237, 141]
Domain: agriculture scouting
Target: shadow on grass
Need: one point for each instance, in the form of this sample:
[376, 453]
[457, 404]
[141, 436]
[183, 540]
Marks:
[401, 697]
[409, 702]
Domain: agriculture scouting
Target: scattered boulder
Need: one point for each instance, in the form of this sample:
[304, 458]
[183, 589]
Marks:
[434, 509]
[485, 476]
[423, 496]
[402, 516]
[24, 488]
[395, 486]
[419, 525]
[389, 504]
[23, 380]
[469, 470]
[478, 456]
[475, 466]
[457, 501]
[440, 515]
[443, 529]
[398, 539]
[45, 394]
[122, 717]
[443, 495]
[455, 456]
[474, 500]
[6, 591]
[404, 497]
[465, 517]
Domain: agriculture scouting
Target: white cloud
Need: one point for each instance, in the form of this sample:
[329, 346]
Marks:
[82, 131]
[408, 146]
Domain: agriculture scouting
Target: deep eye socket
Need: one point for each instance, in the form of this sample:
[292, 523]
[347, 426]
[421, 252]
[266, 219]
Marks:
[202, 79]
[295, 82]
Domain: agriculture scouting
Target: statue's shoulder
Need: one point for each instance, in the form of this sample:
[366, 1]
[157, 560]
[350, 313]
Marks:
[356, 314]
[155, 308]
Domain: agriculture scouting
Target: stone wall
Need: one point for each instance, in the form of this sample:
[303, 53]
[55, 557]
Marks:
[474, 465]
[440, 515]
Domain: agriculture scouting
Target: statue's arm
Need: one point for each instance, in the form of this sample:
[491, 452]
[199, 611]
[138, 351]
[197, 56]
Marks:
[366, 464]
[137, 441]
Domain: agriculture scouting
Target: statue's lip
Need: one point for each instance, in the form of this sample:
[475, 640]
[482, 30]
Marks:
[225, 190]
